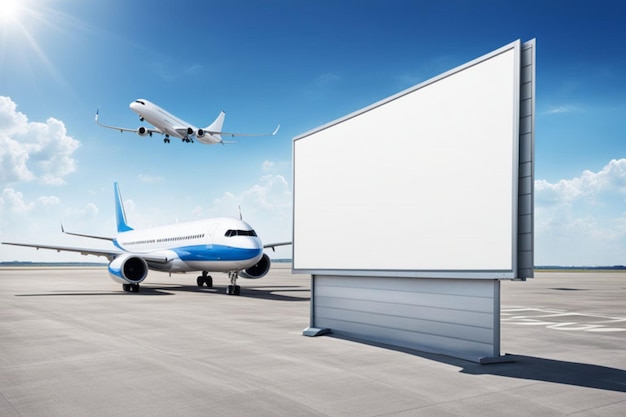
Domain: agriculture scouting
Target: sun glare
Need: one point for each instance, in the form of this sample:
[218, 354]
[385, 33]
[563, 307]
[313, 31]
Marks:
[10, 10]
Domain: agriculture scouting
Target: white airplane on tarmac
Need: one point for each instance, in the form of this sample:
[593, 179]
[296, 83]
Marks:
[168, 125]
[226, 245]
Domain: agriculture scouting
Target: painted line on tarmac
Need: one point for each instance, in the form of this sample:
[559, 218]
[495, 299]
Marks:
[563, 320]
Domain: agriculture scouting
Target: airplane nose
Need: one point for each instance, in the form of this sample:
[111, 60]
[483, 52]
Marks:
[255, 243]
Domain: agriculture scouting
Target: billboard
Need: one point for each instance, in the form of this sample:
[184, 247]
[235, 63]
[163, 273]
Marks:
[421, 184]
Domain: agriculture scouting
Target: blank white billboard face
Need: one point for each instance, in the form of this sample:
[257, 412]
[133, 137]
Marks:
[423, 183]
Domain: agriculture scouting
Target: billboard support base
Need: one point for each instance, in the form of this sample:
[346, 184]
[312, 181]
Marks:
[506, 358]
[315, 331]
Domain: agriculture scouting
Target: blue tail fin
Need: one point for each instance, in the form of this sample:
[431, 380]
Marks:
[120, 214]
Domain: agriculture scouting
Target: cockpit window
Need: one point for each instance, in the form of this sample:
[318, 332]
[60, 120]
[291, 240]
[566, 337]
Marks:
[232, 232]
[140, 102]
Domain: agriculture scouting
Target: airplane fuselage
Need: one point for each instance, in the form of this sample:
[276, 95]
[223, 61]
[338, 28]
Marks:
[218, 244]
[168, 124]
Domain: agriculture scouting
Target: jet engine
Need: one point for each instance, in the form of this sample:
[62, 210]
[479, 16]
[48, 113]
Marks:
[142, 131]
[200, 133]
[190, 131]
[259, 270]
[128, 269]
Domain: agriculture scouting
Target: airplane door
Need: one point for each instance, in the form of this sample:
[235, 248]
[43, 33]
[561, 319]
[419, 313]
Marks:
[210, 235]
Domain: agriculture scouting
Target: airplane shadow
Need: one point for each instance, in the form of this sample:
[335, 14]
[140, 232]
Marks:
[144, 292]
[266, 293]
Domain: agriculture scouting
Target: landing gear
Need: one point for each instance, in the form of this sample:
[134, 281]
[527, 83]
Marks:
[166, 139]
[233, 288]
[205, 279]
[130, 287]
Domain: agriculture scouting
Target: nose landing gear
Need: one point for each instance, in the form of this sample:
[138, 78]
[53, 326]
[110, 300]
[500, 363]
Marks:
[233, 288]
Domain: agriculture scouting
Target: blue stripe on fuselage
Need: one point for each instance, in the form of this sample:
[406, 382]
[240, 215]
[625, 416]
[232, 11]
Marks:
[209, 253]
[215, 253]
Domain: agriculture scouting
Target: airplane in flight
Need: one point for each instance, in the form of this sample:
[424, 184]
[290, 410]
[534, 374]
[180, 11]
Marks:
[224, 244]
[169, 125]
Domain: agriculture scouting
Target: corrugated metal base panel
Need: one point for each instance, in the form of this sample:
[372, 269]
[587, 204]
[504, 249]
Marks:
[459, 318]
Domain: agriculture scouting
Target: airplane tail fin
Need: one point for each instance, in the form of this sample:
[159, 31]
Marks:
[120, 214]
[215, 128]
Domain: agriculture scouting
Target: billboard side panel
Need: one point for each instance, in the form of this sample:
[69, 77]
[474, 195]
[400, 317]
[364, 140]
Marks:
[525, 268]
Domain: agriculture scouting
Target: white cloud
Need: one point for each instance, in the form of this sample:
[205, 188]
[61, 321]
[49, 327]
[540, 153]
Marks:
[48, 201]
[582, 221]
[13, 201]
[326, 79]
[150, 179]
[33, 151]
[89, 211]
[268, 166]
[10, 120]
[266, 206]
[611, 179]
[169, 72]
[270, 194]
[562, 109]
[129, 207]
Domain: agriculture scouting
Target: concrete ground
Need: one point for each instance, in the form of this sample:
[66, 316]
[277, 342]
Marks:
[72, 343]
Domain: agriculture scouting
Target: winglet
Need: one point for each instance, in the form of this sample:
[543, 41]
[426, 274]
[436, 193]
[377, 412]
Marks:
[276, 131]
[120, 214]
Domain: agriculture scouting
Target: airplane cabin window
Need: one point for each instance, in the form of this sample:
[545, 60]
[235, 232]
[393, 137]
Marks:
[231, 233]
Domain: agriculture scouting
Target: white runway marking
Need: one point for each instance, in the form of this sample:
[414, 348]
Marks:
[563, 320]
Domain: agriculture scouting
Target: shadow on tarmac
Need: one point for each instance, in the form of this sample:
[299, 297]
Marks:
[264, 293]
[559, 372]
[527, 367]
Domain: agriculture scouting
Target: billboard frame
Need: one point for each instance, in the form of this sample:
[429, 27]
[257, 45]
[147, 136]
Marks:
[522, 172]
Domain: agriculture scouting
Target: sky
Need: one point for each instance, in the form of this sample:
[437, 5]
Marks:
[300, 64]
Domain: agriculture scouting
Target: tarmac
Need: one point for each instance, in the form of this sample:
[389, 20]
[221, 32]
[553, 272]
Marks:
[72, 343]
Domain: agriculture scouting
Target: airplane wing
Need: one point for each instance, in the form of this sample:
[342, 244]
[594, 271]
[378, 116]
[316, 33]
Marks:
[232, 134]
[182, 131]
[110, 254]
[145, 130]
[273, 245]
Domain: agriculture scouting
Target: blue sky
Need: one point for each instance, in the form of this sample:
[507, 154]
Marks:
[300, 64]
